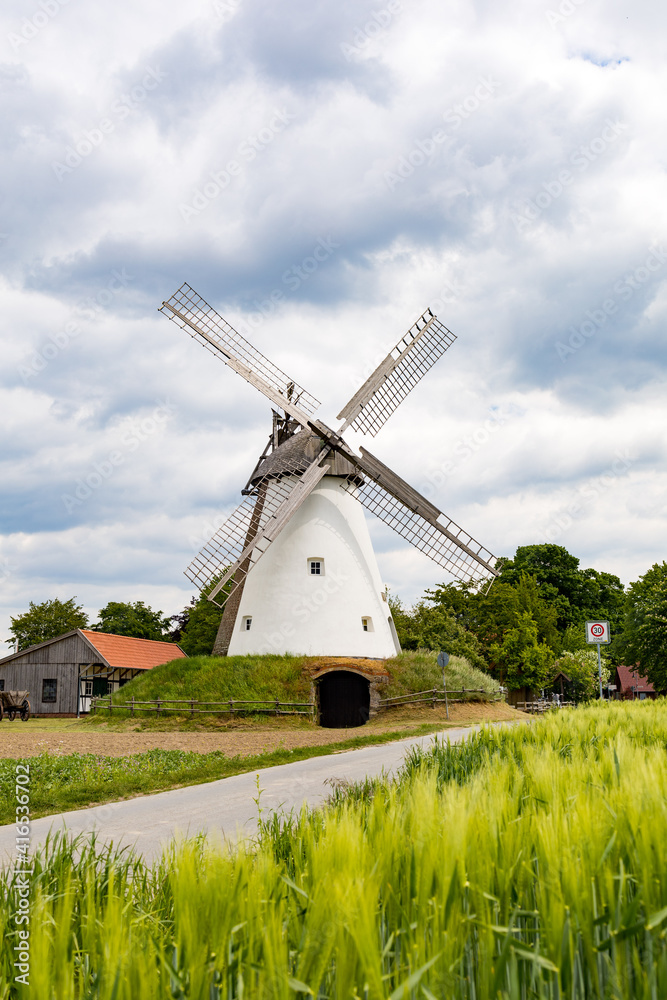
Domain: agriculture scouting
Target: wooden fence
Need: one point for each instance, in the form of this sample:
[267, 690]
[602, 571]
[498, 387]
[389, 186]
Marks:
[436, 696]
[538, 707]
[192, 707]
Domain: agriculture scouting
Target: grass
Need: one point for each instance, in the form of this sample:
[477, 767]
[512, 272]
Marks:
[62, 782]
[532, 864]
[419, 671]
[248, 678]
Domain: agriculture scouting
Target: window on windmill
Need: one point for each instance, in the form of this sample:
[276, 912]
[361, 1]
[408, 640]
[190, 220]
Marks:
[246, 624]
[367, 624]
[316, 567]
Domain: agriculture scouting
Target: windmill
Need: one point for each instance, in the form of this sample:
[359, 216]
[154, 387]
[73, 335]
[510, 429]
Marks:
[293, 566]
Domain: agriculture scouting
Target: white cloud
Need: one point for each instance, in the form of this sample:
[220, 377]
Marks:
[436, 159]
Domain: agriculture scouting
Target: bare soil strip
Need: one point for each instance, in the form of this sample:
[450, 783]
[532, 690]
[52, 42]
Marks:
[236, 739]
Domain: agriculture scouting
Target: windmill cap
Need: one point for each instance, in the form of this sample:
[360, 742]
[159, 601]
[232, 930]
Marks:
[296, 453]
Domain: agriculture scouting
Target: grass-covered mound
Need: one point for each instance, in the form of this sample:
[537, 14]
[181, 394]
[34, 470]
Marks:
[219, 678]
[287, 678]
[419, 671]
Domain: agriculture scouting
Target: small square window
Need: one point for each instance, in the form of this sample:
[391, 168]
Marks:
[367, 624]
[49, 690]
[246, 624]
[88, 688]
[316, 567]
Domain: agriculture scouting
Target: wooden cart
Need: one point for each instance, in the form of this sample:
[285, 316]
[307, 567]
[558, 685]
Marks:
[13, 703]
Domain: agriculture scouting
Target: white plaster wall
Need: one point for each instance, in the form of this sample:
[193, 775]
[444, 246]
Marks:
[295, 612]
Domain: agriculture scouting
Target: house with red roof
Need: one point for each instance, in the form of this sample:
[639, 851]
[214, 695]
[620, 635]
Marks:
[630, 684]
[63, 674]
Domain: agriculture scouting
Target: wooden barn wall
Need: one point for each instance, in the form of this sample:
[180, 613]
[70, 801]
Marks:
[29, 676]
[70, 650]
[60, 661]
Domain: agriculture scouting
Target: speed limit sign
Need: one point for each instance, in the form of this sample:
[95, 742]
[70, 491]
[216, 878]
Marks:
[597, 632]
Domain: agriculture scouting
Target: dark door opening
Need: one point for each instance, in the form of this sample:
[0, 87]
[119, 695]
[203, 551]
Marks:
[345, 700]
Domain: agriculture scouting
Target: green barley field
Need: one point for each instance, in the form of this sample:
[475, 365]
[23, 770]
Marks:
[529, 863]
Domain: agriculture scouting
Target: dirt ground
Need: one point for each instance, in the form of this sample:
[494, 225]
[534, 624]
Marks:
[240, 738]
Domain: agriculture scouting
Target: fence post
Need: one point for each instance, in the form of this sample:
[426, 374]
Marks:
[433, 694]
[132, 706]
[192, 709]
[444, 684]
[109, 706]
[158, 706]
[277, 707]
[231, 706]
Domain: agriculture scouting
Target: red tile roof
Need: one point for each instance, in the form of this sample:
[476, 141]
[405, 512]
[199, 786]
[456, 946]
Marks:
[123, 651]
[629, 677]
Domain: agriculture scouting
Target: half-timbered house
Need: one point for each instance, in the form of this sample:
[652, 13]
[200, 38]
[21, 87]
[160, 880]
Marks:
[63, 674]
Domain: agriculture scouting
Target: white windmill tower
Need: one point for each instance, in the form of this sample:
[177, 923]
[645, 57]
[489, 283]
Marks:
[296, 553]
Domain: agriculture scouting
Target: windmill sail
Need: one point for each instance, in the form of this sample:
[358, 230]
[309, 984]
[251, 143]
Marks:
[396, 376]
[245, 536]
[192, 313]
[413, 517]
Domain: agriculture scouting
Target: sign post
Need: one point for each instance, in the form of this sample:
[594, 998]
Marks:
[443, 660]
[598, 632]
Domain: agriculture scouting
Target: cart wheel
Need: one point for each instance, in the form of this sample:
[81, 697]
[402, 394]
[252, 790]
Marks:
[12, 714]
[25, 710]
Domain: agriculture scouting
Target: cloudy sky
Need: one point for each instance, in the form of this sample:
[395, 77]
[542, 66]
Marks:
[501, 163]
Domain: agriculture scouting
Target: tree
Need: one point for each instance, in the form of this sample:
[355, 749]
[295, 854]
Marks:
[521, 659]
[490, 615]
[136, 620]
[582, 669]
[197, 625]
[425, 627]
[577, 595]
[645, 634]
[46, 621]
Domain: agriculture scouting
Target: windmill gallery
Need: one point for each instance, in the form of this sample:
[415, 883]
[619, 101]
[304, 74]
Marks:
[293, 566]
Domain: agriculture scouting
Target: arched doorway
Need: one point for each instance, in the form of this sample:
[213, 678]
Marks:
[344, 698]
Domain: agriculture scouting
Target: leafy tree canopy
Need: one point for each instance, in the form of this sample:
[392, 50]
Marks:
[197, 625]
[425, 627]
[134, 619]
[577, 595]
[645, 635]
[521, 658]
[46, 621]
[581, 667]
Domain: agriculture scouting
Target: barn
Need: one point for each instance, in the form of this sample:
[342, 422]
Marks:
[63, 674]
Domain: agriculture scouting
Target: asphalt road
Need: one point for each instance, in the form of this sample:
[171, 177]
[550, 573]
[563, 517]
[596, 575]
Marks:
[223, 809]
